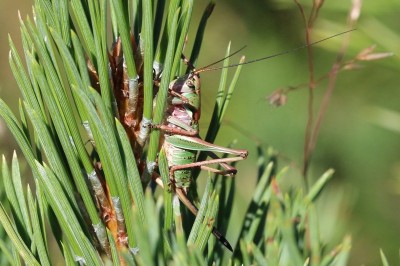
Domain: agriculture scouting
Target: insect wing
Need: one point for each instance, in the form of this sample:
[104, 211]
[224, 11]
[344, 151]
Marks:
[197, 144]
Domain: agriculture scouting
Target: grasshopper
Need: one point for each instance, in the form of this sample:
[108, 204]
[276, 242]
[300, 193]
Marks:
[181, 133]
[182, 142]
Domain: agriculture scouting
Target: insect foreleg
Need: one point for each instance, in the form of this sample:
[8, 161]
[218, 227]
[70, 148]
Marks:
[178, 95]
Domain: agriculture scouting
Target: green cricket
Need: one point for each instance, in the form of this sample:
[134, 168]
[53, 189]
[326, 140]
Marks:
[182, 141]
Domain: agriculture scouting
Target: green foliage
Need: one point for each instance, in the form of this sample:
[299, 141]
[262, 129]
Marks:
[95, 196]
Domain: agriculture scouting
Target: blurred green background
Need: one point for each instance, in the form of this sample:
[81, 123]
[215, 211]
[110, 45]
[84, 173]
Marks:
[359, 138]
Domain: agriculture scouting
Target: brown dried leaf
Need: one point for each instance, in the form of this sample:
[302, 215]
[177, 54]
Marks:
[277, 98]
[367, 55]
[376, 56]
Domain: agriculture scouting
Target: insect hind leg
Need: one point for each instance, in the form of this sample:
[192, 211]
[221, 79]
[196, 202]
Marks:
[185, 200]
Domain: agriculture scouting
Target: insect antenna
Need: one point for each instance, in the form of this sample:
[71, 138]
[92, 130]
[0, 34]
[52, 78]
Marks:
[208, 68]
[192, 69]
[220, 60]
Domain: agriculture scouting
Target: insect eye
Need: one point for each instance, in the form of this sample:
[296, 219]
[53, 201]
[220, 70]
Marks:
[189, 83]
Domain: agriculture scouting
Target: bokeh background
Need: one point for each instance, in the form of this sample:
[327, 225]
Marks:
[360, 134]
